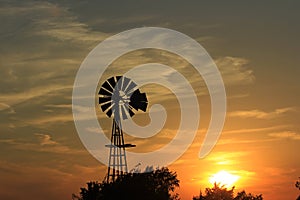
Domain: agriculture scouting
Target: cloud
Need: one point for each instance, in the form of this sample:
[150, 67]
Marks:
[241, 141]
[252, 135]
[226, 158]
[260, 114]
[58, 107]
[48, 67]
[67, 106]
[52, 20]
[254, 130]
[46, 139]
[27, 8]
[286, 135]
[204, 38]
[68, 29]
[57, 22]
[275, 171]
[11, 99]
[234, 70]
[56, 118]
[44, 144]
[5, 107]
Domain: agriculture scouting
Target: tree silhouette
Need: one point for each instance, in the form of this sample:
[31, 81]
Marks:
[158, 184]
[244, 196]
[218, 192]
[92, 192]
[297, 184]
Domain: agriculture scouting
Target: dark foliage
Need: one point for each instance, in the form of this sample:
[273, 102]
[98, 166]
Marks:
[297, 184]
[221, 193]
[158, 185]
[244, 196]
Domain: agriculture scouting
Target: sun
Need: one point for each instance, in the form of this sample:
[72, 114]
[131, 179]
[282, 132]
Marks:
[224, 179]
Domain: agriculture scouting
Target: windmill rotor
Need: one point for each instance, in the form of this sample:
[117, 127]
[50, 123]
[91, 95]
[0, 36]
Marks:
[120, 97]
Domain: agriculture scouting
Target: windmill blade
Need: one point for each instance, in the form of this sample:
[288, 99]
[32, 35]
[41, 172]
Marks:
[131, 112]
[110, 85]
[125, 83]
[107, 86]
[109, 112]
[118, 82]
[104, 107]
[105, 92]
[129, 109]
[125, 114]
[112, 82]
[119, 85]
[129, 89]
[118, 77]
[104, 99]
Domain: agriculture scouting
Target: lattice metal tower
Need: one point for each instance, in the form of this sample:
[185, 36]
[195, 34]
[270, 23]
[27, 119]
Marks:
[119, 97]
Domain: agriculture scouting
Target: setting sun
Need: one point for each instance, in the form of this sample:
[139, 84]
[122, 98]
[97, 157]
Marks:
[224, 178]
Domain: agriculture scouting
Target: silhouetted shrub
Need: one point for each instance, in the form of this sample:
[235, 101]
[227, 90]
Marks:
[156, 185]
[221, 193]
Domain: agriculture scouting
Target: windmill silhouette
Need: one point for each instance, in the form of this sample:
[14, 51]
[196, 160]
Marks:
[119, 97]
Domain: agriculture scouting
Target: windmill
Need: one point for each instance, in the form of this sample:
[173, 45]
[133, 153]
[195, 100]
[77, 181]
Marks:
[120, 98]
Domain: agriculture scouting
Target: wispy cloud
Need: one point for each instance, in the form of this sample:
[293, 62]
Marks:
[45, 139]
[51, 119]
[54, 21]
[260, 114]
[44, 144]
[235, 71]
[11, 99]
[255, 130]
[66, 106]
[5, 107]
[226, 158]
[286, 135]
[256, 135]
[68, 29]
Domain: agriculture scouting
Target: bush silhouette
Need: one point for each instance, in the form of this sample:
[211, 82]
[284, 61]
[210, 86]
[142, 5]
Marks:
[222, 193]
[158, 184]
[297, 184]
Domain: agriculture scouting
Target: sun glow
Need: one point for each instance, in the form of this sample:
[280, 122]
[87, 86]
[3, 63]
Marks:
[224, 179]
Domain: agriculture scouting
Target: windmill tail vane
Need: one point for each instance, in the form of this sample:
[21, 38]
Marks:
[120, 98]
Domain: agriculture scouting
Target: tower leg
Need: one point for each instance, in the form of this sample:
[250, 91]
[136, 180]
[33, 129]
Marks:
[117, 165]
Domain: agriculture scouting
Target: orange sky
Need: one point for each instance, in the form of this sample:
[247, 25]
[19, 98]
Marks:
[253, 44]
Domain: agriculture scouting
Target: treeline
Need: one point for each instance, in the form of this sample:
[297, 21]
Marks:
[159, 184]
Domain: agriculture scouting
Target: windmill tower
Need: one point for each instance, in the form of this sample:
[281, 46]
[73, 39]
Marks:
[119, 97]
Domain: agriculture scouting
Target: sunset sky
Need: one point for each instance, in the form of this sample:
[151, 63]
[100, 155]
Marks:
[254, 44]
